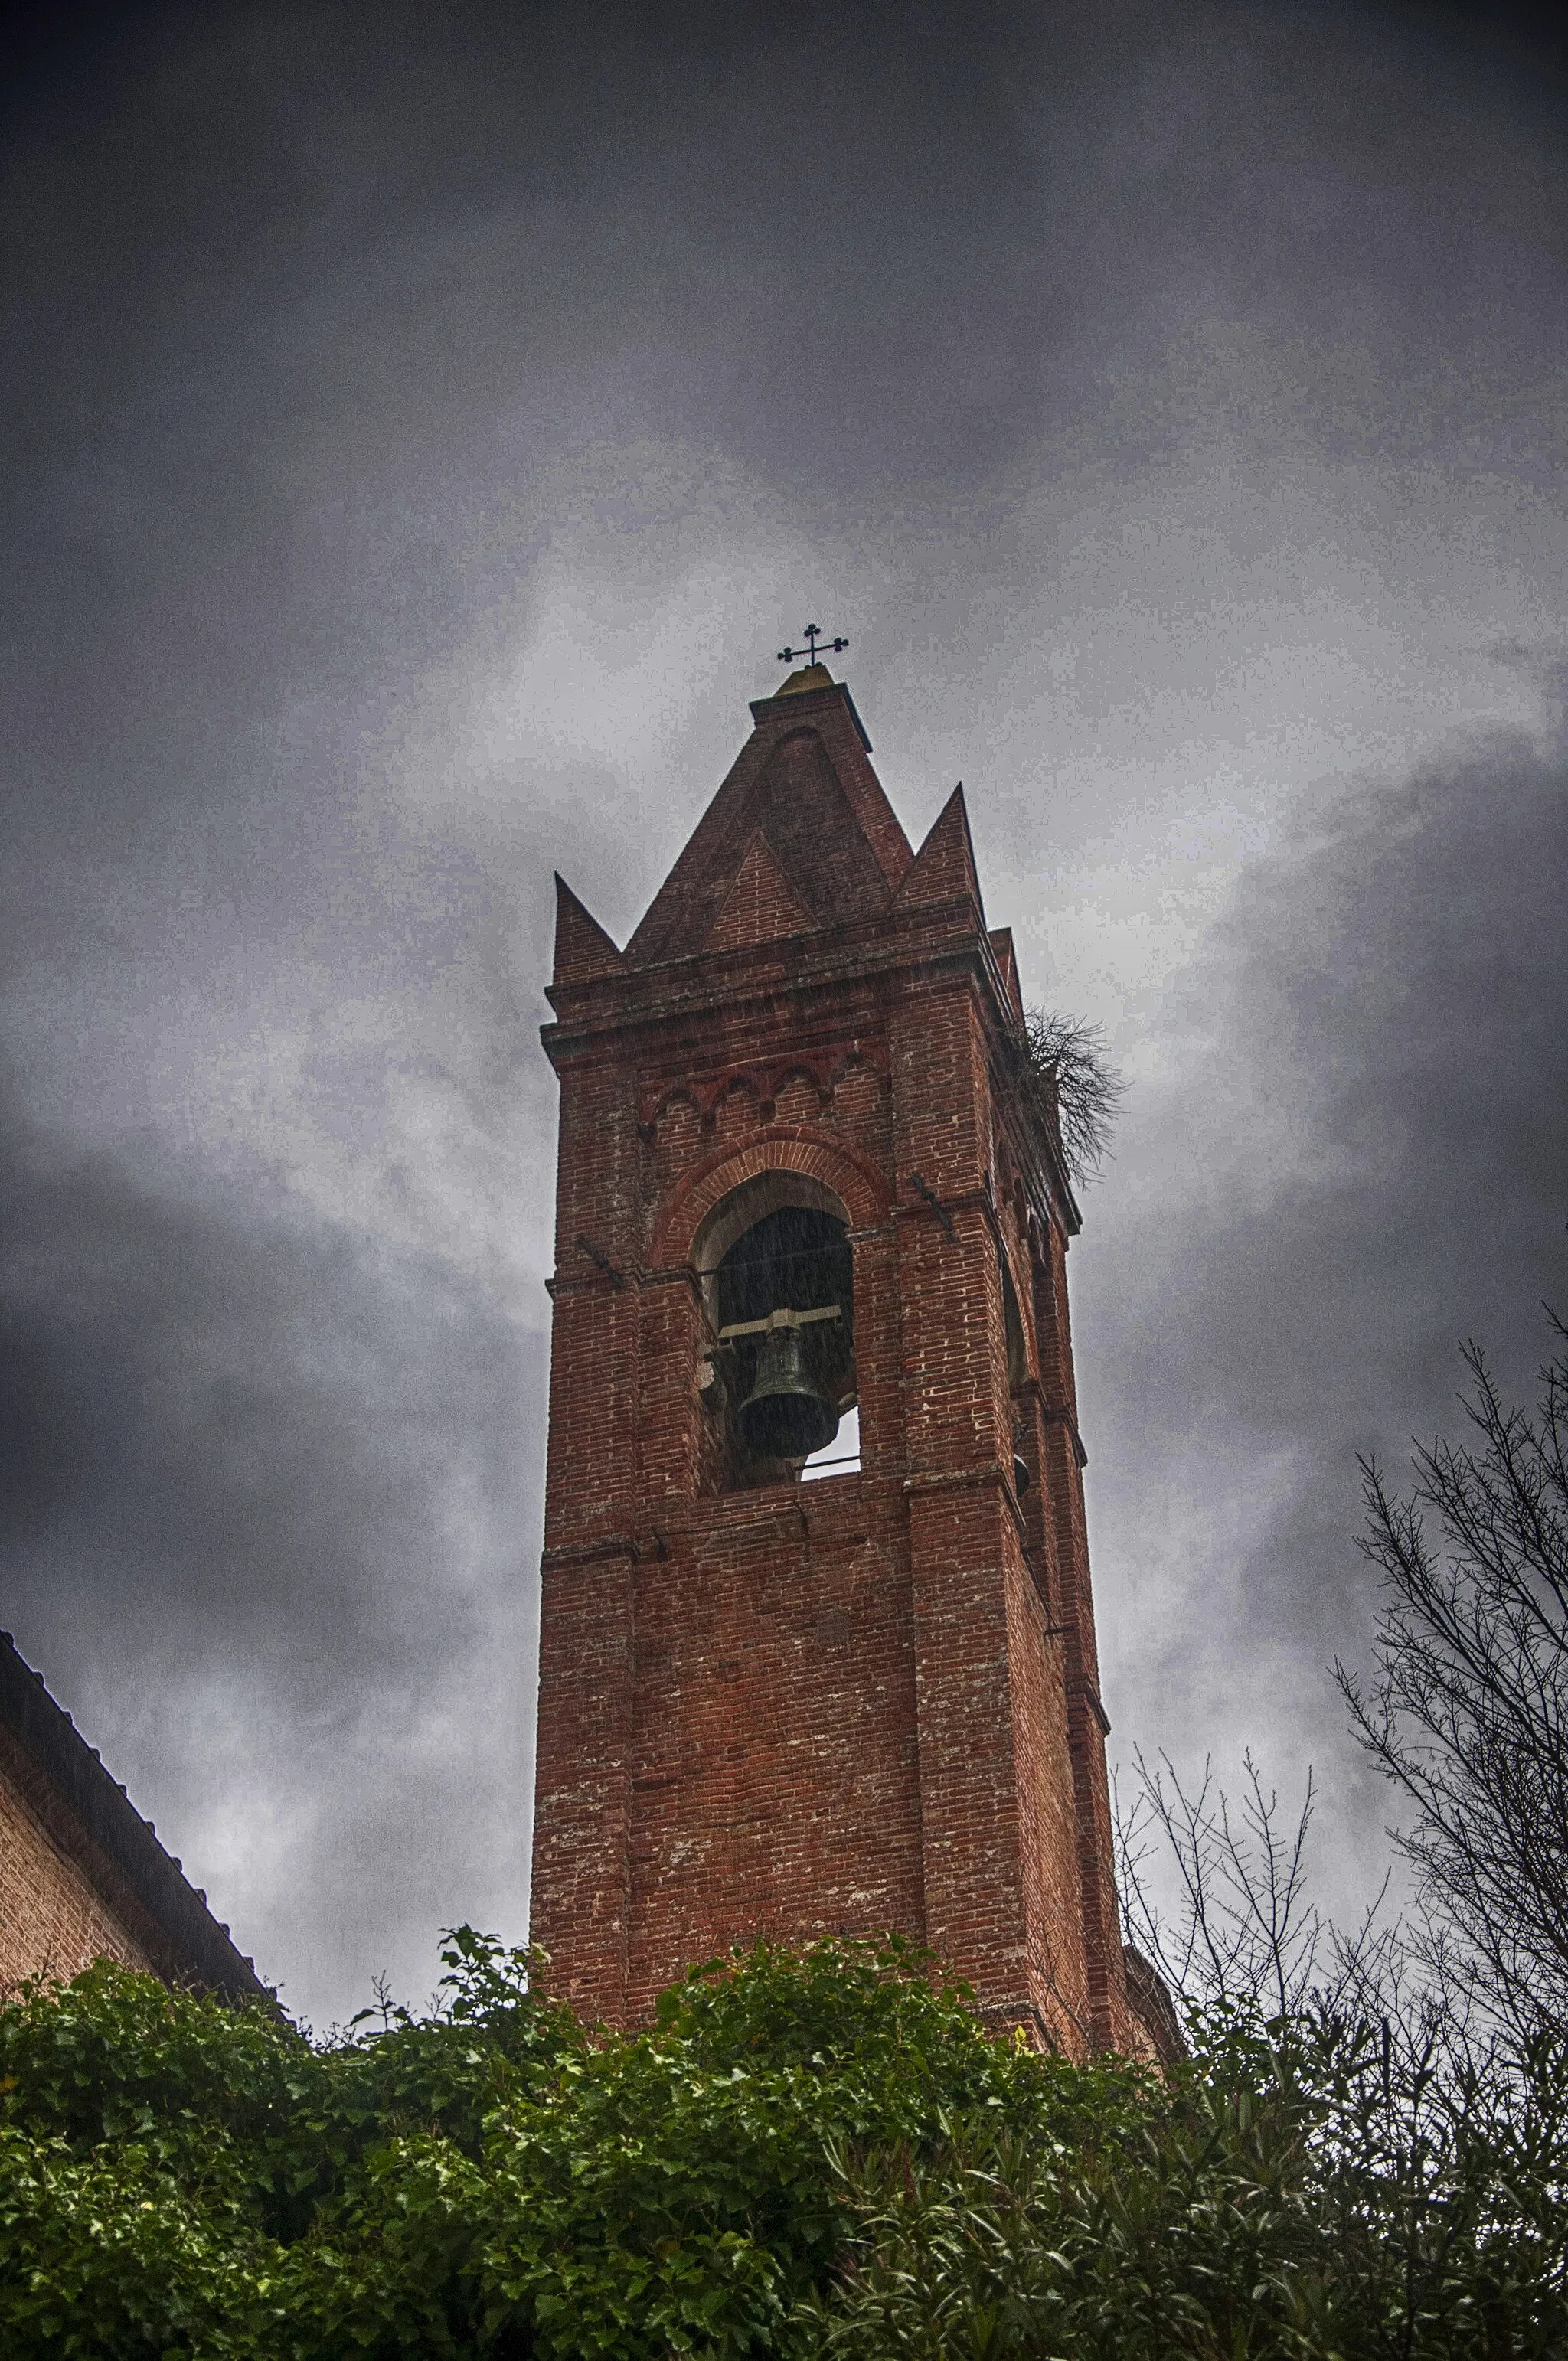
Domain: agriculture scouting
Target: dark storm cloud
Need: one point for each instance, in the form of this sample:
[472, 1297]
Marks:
[326, 324]
[868, 250]
[324, 321]
[257, 1474]
[258, 1417]
[1360, 1160]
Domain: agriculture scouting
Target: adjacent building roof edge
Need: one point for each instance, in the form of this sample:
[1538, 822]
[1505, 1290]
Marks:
[94, 1821]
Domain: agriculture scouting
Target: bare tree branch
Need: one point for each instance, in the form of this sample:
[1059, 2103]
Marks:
[1466, 1712]
[1247, 1929]
[1079, 1088]
[1247, 1933]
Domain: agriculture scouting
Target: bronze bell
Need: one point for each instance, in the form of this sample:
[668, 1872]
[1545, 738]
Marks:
[784, 1416]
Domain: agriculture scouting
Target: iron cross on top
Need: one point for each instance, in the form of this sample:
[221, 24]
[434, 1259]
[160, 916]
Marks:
[811, 633]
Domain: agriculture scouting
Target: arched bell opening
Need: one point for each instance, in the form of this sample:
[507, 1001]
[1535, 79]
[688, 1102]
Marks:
[778, 1286]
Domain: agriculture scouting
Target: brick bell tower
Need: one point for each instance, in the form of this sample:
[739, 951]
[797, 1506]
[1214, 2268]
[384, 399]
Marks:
[802, 1171]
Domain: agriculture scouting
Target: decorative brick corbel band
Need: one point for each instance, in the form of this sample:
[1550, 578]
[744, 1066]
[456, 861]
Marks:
[764, 1079]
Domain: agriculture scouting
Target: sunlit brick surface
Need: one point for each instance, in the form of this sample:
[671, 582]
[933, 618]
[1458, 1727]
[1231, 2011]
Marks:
[52, 1922]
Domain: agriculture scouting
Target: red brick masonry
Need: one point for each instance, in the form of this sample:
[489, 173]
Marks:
[871, 1701]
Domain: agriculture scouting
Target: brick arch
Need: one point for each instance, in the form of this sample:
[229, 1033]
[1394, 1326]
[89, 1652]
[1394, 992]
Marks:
[800, 1069]
[678, 1095]
[735, 1107]
[782, 1148]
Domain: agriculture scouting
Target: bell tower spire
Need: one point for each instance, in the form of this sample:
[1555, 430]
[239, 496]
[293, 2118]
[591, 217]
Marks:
[804, 1184]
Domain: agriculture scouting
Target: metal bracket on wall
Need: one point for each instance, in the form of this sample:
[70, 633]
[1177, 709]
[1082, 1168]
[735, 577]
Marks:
[1095, 1708]
[586, 1245]
[1065, 1418]
[921, 1189]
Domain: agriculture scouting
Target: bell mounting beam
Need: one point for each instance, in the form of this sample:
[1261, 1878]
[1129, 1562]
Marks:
[778, 1320]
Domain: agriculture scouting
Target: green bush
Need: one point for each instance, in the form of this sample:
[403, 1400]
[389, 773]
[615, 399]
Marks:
[1291, 2190]
[809, 2154]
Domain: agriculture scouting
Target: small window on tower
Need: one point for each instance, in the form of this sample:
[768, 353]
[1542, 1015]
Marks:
[782, 1300]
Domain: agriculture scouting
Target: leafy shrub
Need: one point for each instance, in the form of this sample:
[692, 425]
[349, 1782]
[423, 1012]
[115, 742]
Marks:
[805, 2155]
[1290, 2191]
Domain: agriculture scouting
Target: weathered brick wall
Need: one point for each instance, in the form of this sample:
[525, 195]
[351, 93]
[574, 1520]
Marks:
[52, 1922]
[869, 1702]
[775, 1787]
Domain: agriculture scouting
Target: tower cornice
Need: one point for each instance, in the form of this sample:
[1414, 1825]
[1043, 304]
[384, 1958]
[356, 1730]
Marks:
[793, 706]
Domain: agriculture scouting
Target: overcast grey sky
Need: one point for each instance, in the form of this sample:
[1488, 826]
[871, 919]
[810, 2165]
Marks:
[425, 424]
